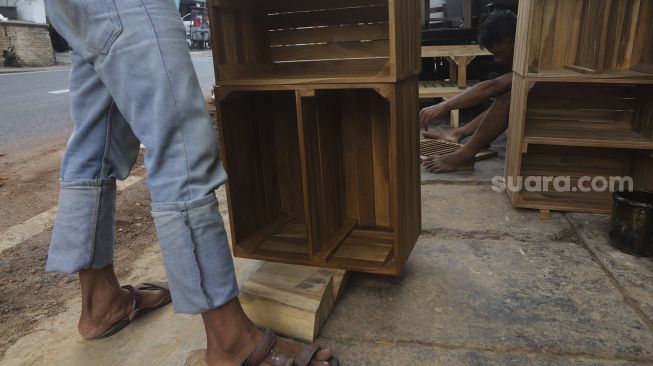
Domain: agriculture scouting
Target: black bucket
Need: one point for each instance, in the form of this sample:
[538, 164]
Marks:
[631, 230]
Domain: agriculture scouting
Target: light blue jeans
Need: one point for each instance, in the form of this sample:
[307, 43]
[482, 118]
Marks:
[132, 81]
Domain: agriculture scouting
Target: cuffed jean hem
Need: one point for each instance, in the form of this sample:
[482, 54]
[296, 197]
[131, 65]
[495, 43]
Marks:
[83, 233]
[196, 254]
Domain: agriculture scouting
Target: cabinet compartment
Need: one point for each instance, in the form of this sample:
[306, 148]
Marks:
[583, 38]
[260, 146]
[579, 130]
[323, 175]
[277, 42]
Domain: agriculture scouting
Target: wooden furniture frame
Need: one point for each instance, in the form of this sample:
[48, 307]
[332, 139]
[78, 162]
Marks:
[459, 55]
[323, 174]
[577, 39]
[579, 130]
[287, 42]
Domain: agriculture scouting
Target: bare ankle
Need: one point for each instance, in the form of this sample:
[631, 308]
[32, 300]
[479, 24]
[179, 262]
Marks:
[230, 335]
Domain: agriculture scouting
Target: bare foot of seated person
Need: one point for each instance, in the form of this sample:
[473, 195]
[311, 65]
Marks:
[448, 135]
[453, 162]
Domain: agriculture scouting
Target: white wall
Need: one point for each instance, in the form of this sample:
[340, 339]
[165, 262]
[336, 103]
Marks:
[31, 11]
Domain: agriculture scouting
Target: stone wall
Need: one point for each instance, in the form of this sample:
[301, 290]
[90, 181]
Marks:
[31, 41]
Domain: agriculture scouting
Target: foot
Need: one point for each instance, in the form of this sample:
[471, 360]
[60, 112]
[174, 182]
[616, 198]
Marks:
[105, 313]
[448, 163]
[283, 347]
[448, 135]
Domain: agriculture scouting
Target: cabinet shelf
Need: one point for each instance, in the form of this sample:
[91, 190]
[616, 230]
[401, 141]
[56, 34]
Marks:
[315, 176]
[581, 133]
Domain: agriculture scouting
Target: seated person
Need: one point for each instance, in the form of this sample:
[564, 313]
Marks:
[497, 35]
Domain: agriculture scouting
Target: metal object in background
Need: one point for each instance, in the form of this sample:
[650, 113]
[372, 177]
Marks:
[631, 229]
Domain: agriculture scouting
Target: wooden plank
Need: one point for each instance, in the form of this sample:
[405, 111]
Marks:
[573, 38]
[534, 36]
[348, 101]
[643, 34]
[282, 6]
[254, 241]
[307, 128]
[330, 246]
[345, 33]
[380, 123]
[456, 50]
[331, 51]
[546, 44]
[332, 72]
[374, 14]
[364, 157]
[608, 135]
[330, 164]
[294, 301]
[562, 33]
[406, 185]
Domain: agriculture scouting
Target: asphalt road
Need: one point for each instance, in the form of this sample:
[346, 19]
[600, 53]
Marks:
[34, 105]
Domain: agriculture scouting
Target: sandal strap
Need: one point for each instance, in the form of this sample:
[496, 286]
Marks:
[153, 286]
[306, 355]
[135, 297]
[264, 352]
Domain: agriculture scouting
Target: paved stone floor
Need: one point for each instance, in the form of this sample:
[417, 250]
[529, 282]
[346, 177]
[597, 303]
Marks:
[487, 284]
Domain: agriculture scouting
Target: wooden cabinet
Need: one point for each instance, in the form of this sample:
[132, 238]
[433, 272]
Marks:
[578, 110]
[323, 175]
[580, 38]
[279, 42]
[577, 130]
[317, 104]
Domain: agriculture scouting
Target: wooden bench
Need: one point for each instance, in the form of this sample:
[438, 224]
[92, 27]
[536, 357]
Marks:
[461, 55]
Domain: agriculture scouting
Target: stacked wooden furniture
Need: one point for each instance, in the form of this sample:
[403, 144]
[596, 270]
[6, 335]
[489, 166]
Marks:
[578, 108]
[460, 56]
[317, 105]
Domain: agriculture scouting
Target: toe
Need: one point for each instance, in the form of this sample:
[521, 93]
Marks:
[324, 354]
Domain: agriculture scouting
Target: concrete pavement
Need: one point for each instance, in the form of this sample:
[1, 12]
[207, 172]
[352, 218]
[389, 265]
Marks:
[487, 284]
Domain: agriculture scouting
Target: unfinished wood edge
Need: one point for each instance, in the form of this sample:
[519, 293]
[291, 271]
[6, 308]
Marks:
[306, 93]
[385, 91]
[455, 118]
[646, 68]
[220, 94]
[545, 214]
[581, 69]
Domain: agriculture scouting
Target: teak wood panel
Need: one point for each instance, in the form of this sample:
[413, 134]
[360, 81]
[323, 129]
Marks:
[289, 42]
[584, 36]
[353, 198]
[261, 154]
[578, 129]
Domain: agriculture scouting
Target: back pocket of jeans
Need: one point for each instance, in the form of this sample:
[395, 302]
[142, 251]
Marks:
[103, 25]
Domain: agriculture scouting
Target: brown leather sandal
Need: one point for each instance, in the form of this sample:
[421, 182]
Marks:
[136, 311]
[265, 352]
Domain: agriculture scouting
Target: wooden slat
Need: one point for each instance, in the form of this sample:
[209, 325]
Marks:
[330, 164]
[349, 155]
[331, 51]
[375, 14]
[380, 123]
[364, 156]
[608, 135]
[282, 6]
[356, 32]
[548, 34]
[535, 36]
[451, 51]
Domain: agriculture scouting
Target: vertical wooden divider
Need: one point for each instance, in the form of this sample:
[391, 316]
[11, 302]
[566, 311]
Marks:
[305, 106]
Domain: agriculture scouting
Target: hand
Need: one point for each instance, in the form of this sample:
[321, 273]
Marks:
[428, 114]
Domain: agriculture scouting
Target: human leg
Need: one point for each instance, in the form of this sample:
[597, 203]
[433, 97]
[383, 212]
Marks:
[494, 123]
